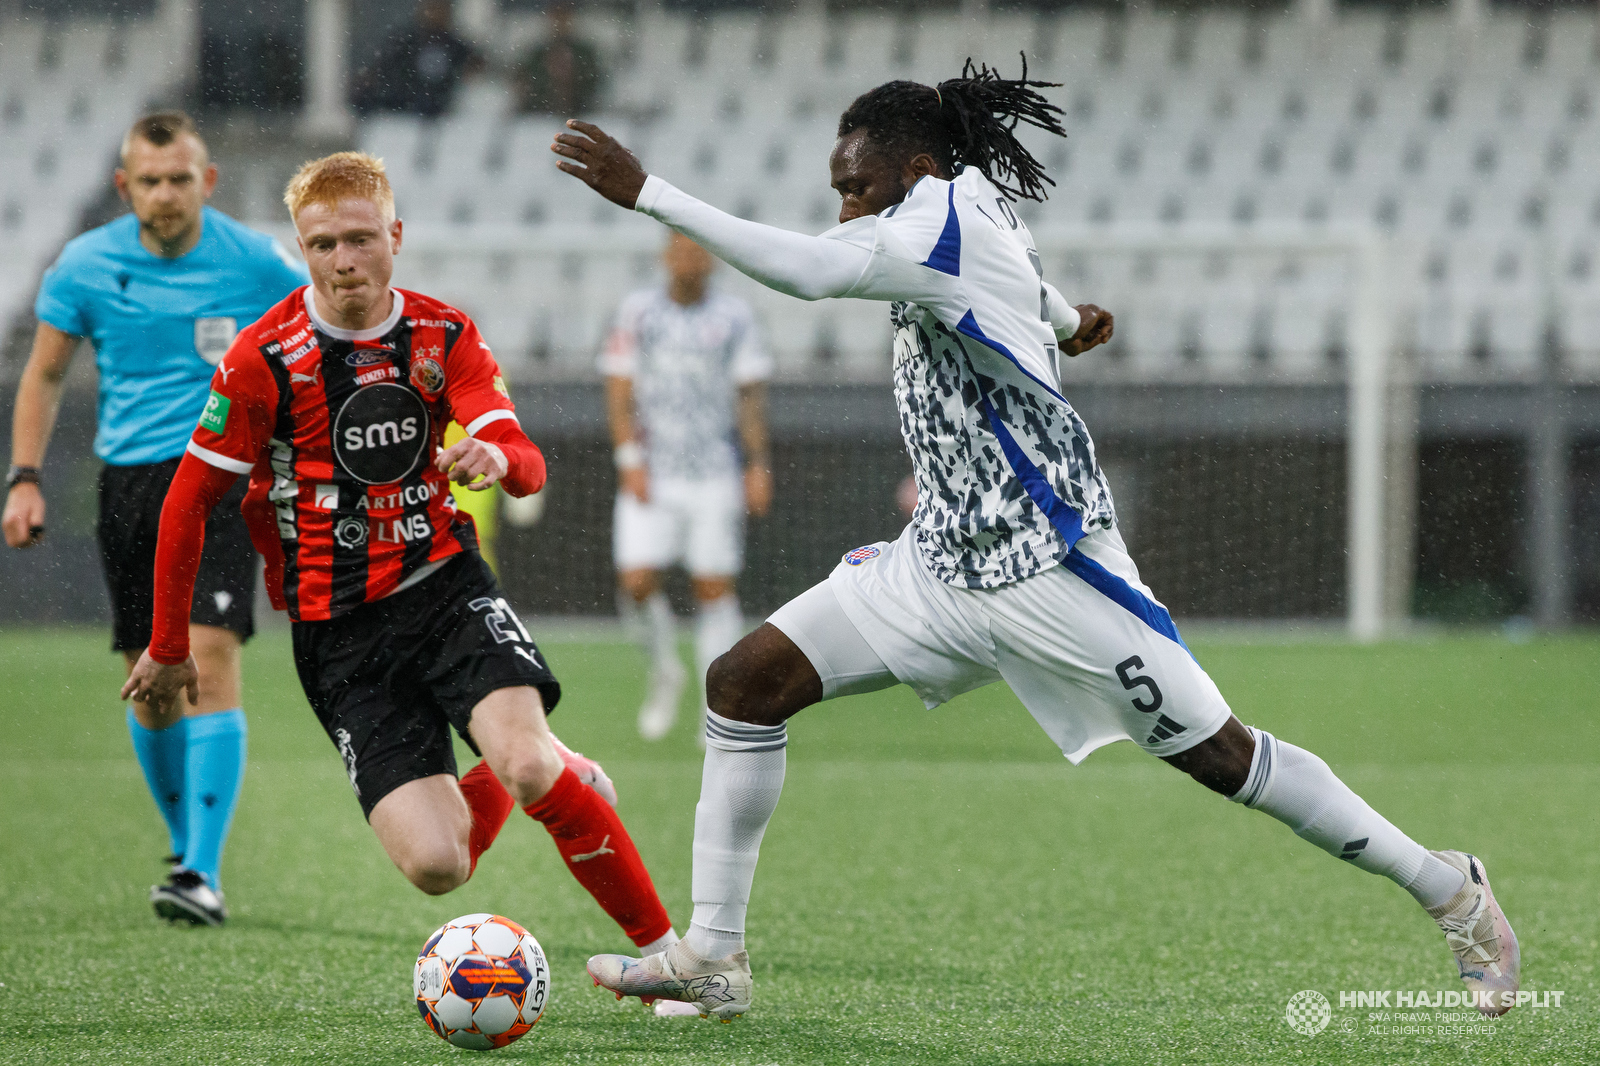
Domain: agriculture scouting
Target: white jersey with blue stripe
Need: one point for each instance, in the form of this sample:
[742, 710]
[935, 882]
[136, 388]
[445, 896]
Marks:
[1006, 474]
[1007, 479]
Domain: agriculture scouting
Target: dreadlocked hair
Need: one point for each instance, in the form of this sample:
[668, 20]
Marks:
[970, 120]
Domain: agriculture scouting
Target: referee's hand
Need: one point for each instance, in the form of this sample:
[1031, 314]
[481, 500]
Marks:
[158, 684]
[24, 518]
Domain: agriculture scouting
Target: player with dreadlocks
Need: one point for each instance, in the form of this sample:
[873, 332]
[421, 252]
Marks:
[1012, 567]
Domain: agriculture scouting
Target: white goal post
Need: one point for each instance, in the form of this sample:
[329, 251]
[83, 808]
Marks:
[1350, 300]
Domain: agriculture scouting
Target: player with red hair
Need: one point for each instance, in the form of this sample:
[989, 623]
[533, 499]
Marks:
[335, 404]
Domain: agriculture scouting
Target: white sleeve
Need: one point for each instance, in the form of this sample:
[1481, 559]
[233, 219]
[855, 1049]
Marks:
[917, 251]
[812, 268]
[1064, 318]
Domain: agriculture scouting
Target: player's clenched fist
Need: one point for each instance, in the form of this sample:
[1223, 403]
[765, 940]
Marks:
[468, 460]
[1094, 328]
[607, 167]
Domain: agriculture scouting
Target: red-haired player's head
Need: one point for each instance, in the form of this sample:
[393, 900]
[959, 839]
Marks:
[343, 212]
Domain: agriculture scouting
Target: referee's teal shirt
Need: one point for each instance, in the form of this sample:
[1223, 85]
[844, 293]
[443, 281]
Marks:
[159, 326]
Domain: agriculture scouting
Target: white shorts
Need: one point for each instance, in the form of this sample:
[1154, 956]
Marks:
[699, 524]
[1084, 645]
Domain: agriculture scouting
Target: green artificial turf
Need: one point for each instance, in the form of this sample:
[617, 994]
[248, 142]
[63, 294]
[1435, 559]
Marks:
[936, 886]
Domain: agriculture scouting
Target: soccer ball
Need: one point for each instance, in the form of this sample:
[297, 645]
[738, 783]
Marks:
[481, 981]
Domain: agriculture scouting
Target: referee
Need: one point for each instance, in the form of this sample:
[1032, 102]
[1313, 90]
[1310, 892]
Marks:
[160, 293]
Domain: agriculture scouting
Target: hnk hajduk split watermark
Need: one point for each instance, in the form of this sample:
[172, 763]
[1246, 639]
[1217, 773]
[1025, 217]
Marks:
[1420, 1012]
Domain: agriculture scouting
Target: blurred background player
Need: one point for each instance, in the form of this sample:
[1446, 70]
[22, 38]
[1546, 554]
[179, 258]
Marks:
[683, 365]
[400, 630]
[160, 293]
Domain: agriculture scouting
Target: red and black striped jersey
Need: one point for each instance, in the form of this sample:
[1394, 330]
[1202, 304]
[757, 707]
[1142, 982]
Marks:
[338, 430]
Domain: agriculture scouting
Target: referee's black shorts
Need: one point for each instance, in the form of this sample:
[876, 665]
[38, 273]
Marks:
[130, 518]
[390, 678]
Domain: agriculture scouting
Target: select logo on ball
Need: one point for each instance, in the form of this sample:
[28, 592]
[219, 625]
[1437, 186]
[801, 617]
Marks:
[481, 981]
[380, 433]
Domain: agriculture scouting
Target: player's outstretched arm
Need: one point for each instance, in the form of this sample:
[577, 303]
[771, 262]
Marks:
[38, 398]
[812, 268]
[166, 668]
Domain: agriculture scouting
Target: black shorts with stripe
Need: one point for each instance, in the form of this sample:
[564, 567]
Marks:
[130, 519]
[390, 678]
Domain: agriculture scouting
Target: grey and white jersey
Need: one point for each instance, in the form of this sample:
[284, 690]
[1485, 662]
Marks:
[687, 364]
[1006, 474]
[976, 522]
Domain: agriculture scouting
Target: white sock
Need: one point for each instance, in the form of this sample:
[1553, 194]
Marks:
[650, 625]
[739, 790]
[718, 628]
[658, 945]
[1298, 789]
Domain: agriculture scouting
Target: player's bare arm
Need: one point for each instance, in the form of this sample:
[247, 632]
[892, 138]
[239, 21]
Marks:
[633, 477]
[34, 417]
[600, 162]
[757, 449]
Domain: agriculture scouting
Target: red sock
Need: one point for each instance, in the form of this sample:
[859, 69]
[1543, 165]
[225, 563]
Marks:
[490, 805]
[601, 856]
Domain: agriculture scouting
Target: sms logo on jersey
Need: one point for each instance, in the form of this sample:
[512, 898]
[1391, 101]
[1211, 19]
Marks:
[861, 555]
[380, 433]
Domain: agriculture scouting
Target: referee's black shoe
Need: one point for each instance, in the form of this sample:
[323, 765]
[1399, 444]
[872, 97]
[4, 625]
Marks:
[188, 897]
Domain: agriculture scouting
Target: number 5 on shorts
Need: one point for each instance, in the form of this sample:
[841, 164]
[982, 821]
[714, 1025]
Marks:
[1133, 662]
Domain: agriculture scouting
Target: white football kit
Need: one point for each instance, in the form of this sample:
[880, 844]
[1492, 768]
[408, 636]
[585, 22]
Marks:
[686, 364]
[1011, 567]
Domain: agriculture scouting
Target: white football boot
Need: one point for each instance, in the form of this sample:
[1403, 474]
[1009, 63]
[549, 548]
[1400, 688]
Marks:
[660, 710]
[1479, 936]
[720, 987]
[588, 771]
[671, 1008]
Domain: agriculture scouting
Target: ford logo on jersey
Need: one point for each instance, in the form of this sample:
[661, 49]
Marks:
[369, 356]
[380, 433]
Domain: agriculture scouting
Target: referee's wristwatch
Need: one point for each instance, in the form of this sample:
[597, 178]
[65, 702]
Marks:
[19, 474]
